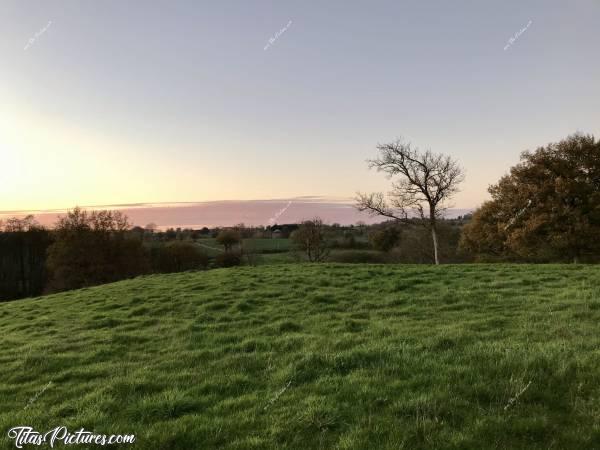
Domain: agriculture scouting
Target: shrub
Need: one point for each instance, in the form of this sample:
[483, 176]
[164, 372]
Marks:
[385, 238]
[178, 256]
[228, 238]
[228, 260]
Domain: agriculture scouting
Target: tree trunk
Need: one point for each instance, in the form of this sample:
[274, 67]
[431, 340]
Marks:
[435, 243]
[432, 224]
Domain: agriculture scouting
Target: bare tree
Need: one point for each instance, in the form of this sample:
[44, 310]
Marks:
[228, 239]
[310, 239]
[15, 224]
[426, 181]
[249, 252]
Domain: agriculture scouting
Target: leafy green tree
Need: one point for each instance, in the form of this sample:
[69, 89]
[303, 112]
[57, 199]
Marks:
[546, 209]
[93, 248]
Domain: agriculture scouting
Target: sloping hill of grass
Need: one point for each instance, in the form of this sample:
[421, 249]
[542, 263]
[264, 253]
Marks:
[314, 356]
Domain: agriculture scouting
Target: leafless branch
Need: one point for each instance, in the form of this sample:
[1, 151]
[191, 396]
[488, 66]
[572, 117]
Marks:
[424, 180]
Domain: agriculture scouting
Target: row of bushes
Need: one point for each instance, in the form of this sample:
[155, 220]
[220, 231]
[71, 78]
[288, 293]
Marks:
[87, 249]
[32, 263]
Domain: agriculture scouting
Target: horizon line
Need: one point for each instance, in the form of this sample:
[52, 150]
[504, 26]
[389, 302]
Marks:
[304, 198]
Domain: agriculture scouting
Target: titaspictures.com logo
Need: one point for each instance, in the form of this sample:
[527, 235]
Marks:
[24, 435]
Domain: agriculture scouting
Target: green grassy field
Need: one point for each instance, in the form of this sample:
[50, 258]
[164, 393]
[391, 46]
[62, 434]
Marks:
[315, 356]
[257, 245]
[268, 245]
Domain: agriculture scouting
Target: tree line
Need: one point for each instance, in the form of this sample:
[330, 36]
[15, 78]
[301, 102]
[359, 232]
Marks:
[83, 249]
[87, 248]
[546, 209]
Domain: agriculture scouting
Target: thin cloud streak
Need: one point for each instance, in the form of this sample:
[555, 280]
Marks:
[228, 213]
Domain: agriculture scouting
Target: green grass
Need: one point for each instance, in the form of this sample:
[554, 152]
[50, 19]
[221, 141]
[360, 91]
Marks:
[355, 256]
[256, 245]
[274, 258]
[315, 356]
[268, 245]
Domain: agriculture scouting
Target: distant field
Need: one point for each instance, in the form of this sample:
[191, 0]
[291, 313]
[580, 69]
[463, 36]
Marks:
[212, 248]
[301, 356]
[268, 245]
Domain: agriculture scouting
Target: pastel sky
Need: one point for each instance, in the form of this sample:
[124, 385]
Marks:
[175, 101]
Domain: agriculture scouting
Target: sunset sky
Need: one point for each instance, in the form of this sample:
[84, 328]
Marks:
[118, 102]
